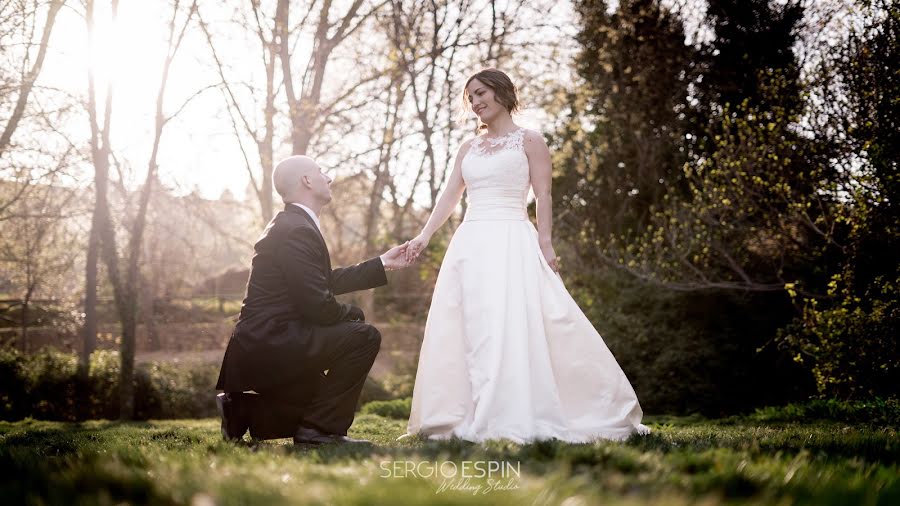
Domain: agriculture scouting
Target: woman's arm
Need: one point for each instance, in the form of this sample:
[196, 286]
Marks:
[540, 170]
[445, 205]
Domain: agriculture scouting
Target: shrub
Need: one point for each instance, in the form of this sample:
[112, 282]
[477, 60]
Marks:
[876, 411]
[849, 342]
[47, 385]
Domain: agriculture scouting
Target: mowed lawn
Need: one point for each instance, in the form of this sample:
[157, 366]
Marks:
[684, 461]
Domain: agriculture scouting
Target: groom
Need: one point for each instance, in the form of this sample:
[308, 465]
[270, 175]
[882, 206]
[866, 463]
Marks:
[303, 354]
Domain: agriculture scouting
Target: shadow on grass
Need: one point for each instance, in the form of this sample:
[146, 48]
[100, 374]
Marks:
[113, 462]
[53, 464]
[63, 463]
[823, 440]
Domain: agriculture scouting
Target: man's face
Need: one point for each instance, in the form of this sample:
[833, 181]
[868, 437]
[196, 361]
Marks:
[320, 184]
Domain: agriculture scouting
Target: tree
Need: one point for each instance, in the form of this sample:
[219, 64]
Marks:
[40, 247]
[661, 254]
[29, 70]
[752, 38]
[743, 213]
[19, 23]
[319, 99]
[306, 110]
[100, 219]
[126, 288]
[240, 111]
[636, 69]
[848, 339]
[749, 221]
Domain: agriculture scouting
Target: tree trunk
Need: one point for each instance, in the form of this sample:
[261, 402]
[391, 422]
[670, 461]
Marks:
[24, 326]
[89, 328]
[100, 157]
[304, 109]
[148, 315]
[264, 141]
[126, 371]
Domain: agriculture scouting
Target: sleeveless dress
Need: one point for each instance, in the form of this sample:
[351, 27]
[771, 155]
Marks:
[507, 352]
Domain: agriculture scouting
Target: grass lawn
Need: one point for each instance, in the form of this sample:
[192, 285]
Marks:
[684, 461]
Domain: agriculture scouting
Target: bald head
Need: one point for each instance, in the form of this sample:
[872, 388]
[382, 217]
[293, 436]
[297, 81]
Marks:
[300, 179]
[288, 174]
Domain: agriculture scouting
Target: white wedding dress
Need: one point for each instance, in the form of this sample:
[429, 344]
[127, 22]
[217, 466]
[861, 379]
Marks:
[507, 352]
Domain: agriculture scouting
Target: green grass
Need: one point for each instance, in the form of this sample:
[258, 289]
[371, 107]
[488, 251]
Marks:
[684, 461]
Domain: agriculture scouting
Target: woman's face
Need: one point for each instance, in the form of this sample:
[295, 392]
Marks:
[481, 98]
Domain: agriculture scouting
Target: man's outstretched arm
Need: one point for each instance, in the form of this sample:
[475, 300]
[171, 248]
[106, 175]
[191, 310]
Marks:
[368, 274]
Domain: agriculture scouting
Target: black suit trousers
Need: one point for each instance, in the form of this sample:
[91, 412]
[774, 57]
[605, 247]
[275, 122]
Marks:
[314, 398]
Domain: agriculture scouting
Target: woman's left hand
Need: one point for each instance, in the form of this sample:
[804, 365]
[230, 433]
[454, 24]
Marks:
[550, 256]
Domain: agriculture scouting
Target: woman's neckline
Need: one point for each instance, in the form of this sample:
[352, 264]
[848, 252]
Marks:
[507, 134]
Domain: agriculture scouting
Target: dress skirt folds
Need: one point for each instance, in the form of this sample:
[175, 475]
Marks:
[507, 352]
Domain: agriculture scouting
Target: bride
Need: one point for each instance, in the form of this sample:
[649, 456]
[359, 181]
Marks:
[507, 352]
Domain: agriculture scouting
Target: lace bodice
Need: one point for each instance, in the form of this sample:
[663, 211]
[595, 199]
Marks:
[497, 177]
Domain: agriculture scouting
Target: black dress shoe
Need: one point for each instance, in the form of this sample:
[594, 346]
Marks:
[310, 436]
[235, 420]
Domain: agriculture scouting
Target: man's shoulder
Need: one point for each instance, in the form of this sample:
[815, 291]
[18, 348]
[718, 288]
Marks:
[290, 220]
[285, 225]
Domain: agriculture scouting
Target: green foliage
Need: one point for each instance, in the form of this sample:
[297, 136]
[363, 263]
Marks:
[684, 461]
[750, 217]
[874, 411]
[48, 385]
[372, 391]
[850, 343]
[687, 352]
[791, 200]
[618, 152]
[848, 339]
[680, 168]
[868, 67]
[396, 408]
[430, 263]
[751, 38]
[401, 380]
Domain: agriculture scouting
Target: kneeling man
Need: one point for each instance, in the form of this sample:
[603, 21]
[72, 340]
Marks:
[304, 354]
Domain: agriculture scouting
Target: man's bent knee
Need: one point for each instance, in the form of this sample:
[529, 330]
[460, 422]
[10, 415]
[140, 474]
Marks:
[372, 335]
[369, 336]
[375, 336]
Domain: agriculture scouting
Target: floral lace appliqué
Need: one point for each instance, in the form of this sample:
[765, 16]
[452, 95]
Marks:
[485, 146]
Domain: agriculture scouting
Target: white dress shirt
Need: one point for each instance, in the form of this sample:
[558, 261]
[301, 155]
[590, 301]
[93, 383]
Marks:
[311, 215]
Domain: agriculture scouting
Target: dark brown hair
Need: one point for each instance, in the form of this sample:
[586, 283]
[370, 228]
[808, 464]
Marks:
[505, 92]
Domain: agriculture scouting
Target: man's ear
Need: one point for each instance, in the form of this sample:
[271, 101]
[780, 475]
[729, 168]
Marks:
[304, 180]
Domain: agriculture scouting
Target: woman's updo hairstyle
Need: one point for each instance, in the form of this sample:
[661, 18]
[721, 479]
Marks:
[505, 92]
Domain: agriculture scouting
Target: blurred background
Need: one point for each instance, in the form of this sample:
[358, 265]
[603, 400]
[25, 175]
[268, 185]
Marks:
[725, 184]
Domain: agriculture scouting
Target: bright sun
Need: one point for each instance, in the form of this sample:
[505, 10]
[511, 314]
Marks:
[129, 53]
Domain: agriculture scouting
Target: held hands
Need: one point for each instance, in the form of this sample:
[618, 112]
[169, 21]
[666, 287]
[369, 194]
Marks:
[416, 247]
[402, 256]
[396, 257]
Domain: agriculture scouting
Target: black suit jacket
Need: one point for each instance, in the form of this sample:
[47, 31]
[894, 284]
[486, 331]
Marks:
[290, 292]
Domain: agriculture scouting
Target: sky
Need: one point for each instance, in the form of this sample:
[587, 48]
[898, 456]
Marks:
[199, 151]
